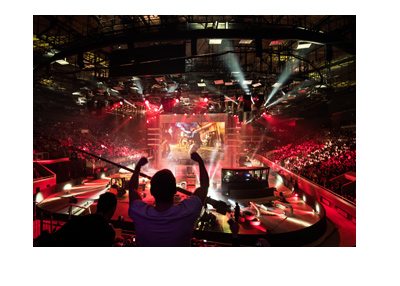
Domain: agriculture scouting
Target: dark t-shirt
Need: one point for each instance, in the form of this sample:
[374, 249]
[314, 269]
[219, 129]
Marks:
[89, 230]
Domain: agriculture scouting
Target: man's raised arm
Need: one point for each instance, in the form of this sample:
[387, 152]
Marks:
[134, 181]
[202, 191]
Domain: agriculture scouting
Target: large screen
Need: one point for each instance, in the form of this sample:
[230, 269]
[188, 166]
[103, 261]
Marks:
[182, 138]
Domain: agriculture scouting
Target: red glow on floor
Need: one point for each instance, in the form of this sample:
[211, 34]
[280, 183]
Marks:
[259, 227]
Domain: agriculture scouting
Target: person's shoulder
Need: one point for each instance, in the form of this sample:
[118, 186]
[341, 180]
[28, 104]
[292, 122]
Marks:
[193, 200]
[138, 204]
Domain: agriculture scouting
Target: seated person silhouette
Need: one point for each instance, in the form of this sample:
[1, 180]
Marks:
[89, 230]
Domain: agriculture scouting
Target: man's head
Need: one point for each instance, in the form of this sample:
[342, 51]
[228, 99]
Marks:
[107, 204]
[163, 186]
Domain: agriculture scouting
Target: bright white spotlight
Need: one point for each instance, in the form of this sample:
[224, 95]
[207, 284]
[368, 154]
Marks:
[215, 41]
[245, 42]
[67, 187]
[62, 62]
[303, 45]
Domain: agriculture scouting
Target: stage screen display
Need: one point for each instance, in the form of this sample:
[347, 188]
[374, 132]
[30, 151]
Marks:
[179, 139]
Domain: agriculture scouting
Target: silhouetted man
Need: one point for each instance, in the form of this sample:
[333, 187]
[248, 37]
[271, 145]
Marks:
[166, 223]
[88, 230]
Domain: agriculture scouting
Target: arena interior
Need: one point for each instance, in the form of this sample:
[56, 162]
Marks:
[271, 96]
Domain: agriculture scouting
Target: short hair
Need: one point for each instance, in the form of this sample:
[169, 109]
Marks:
[163, 186]
[106, 202]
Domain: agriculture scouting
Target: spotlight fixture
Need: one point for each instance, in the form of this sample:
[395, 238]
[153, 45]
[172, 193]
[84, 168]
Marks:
[201, 84]
[256, 84]
[219, 81]
[160, 79]
[275, 43]
[62, 62]
[303, 45]
[245, 42]
[215, 41]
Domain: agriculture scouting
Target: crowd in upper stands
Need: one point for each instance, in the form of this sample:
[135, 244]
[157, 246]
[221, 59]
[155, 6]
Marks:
[99, 139]
[318, 157]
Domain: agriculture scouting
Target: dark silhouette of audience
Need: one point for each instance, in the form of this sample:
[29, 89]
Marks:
[85, 231]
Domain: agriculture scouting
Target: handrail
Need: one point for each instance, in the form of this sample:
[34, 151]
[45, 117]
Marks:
[43, 178]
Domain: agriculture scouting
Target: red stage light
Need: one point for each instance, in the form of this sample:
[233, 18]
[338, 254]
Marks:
[177, 100]
[146, 101]
[120, 102]
[205, 99]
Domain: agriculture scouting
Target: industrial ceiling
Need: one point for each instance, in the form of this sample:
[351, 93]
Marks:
[284, 61]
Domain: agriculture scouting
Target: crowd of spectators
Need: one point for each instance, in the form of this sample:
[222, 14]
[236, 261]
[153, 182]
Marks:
[319, 157]
[104, 140]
